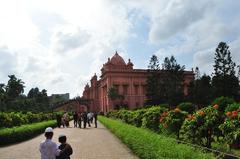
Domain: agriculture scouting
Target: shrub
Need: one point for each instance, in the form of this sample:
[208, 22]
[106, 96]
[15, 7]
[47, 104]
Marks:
[172, 121]
[231, 127]
[202, 126]
[11, 119]
[5, 120]
[151, 118]
[138, 117]
[223, 102]
[188, 107]
[24, 132]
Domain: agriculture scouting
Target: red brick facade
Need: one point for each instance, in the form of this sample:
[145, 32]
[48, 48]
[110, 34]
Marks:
[131, 83]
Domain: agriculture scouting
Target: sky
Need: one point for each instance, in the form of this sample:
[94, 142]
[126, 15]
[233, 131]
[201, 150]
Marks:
[58, 45]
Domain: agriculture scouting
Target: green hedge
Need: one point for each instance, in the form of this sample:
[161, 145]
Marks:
[11, 119]
[149, 145]
[24, 132]
[145, 117]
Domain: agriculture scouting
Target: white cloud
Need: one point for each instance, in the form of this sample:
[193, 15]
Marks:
[58, 45]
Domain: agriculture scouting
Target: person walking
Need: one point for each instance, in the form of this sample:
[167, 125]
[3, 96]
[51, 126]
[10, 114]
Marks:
[75, 119]
[85, 119]
[89, 116]
[95, 118]
[59, 120]
[80, 116]
[48, 148]
[66, 119]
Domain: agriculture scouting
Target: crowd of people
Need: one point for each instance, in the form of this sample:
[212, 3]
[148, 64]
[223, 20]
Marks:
[81, 120]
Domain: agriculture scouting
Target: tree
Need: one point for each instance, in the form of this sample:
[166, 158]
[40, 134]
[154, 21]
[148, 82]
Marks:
[2, 92]
[173, 81]
[113, 95]
[200, 91]
[33, 93]
[224, 81]
[15, 87]
[153, 83]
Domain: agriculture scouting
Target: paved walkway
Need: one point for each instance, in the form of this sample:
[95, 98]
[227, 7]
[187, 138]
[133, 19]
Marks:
[90, 143]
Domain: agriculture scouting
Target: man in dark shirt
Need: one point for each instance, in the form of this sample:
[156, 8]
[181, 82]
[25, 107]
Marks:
[95, 119]
[75, 119]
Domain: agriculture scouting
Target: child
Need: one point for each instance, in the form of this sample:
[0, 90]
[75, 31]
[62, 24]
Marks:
[66, 149]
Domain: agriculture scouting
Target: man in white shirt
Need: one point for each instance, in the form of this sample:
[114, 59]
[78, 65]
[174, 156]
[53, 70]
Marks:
[48, 148]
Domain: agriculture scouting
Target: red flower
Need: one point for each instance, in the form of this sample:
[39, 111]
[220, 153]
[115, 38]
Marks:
[234, 114]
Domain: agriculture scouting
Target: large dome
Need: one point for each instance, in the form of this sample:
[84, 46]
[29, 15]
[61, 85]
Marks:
[117, 60]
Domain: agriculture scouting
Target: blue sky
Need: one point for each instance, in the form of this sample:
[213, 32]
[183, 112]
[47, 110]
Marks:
[58, 45]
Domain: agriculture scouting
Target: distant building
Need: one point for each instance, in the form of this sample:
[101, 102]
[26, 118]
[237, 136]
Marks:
[130, 84]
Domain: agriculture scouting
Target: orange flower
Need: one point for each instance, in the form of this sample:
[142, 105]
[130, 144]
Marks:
[229, 114]
[164, 114]
[193, 117]
[201, 113]
[216, 106]
[177, 110]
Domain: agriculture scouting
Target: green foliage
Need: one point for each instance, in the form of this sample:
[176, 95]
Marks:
[232, 107]
[197, 91]
[173, 80]
[138, 117]
[13, 99]
[12, 119]
[149, 145]
[151, 118]
[153, 84]
[113, 93]
[223, 61]
[187, 106]
[224, 81]
[147, 118]
[166, 85]
[202, 126]
[231, 126]
[223, 102]
[172, 121]
[24, 132]
[15, 87]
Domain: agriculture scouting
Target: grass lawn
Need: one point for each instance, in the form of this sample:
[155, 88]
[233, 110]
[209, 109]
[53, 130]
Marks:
[149, 145]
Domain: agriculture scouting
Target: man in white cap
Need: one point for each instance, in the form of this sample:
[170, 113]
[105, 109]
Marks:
[48, 148]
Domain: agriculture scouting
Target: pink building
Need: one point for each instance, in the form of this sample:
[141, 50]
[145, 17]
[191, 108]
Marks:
[130, 83]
